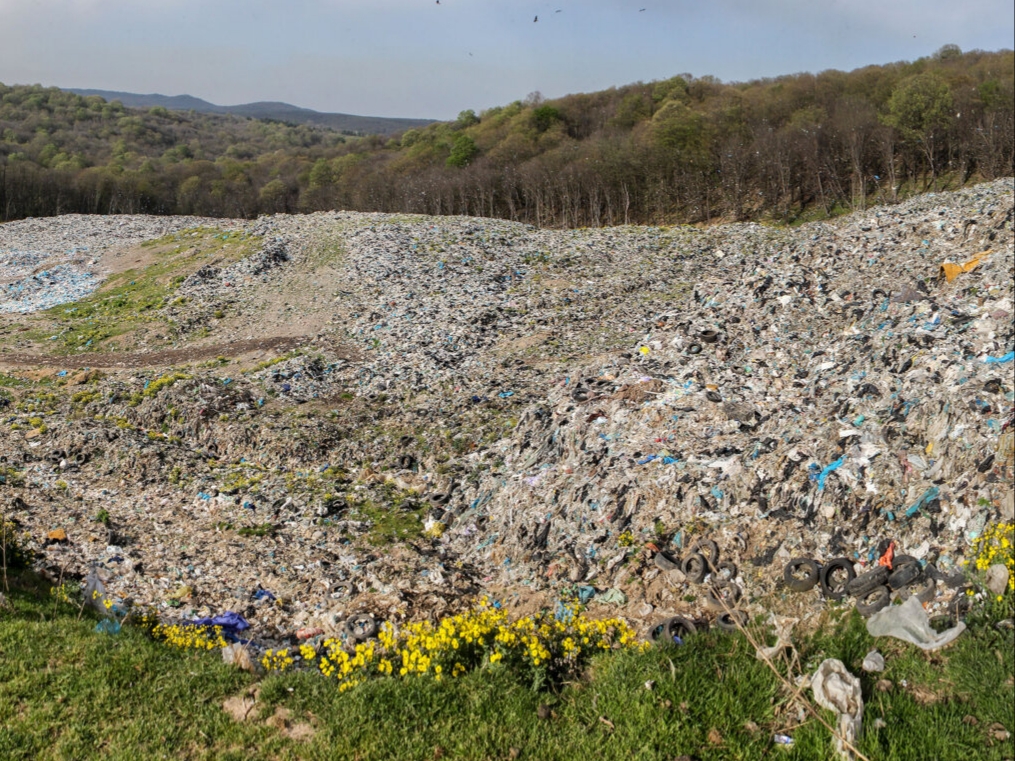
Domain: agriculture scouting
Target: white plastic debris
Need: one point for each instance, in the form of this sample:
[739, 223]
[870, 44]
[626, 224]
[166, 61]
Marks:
[909, 622]
[873, 661]
[783, 626]
[838, 690]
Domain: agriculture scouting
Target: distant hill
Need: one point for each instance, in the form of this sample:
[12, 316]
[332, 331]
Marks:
[364, 125]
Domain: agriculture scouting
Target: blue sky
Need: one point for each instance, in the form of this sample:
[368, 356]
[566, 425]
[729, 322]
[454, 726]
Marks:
[417, 58]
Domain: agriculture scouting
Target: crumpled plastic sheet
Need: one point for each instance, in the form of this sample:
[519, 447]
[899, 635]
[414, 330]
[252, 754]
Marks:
[837, 690]
[783, 626]
[231, 623]
[910, 623]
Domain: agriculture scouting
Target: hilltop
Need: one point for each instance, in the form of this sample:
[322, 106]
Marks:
[271, 110]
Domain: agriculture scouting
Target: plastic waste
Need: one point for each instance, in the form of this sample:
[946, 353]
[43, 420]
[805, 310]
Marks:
[107, 626]
[951, 270]
[783, 626]
[839, 691]
[231, 624]
[238, 654]
[910, 623]
[873, 662]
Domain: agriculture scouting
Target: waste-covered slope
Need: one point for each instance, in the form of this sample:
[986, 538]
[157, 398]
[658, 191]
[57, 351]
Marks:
[477, 404]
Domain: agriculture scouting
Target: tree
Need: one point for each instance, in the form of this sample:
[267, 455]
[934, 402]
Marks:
[463, 151]
[920, 108]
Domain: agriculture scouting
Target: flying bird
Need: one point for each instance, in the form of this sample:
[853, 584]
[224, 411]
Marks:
[535, 19]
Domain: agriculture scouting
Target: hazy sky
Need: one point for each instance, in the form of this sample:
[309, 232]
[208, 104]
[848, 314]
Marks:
[423, 59]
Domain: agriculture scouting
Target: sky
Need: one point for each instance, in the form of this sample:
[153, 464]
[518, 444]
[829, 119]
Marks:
[424, 59]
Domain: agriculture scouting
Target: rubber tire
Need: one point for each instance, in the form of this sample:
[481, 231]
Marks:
[876, 577]
[714, 600]
[882, 597]
[361, 626]
[923, 590]
[709, 336]
[695, 568]
[708, 550]
[839, 591]
[664, 562]
[805, 584]
[727, 621]
[679, 626]
[905, 574]
[730, 568]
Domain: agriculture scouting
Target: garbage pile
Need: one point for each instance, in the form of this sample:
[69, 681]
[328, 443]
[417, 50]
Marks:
[652, 419]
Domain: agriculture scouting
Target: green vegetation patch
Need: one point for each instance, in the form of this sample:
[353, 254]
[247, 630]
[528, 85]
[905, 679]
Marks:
[67, 691]
[138, 297]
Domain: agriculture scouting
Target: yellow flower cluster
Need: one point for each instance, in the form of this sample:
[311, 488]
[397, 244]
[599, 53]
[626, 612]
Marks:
[555, 646]
[196, 637]
[997, 545]
[277, 660]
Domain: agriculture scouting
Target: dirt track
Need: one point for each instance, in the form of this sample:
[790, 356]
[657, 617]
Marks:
[278, 344]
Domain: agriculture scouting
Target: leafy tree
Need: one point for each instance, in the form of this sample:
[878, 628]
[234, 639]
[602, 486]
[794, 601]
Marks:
[463, 151]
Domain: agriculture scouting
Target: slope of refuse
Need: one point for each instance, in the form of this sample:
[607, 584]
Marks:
[478, 405]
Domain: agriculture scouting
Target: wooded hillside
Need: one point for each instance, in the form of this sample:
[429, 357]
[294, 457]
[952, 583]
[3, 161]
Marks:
[685, 149]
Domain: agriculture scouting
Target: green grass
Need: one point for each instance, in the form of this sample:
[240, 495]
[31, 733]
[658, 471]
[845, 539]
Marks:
[136, 297]
[69, 692]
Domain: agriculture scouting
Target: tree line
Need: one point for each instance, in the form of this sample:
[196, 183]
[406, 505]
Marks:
[684, 149]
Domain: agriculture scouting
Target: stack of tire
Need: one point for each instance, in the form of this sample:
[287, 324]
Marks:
[872, 589]
[721, 596]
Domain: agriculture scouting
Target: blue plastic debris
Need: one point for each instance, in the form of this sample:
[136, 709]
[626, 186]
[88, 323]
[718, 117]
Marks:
[107, 626]
[830, 468]
[230, 623]
[928, 496]
[1000, 360]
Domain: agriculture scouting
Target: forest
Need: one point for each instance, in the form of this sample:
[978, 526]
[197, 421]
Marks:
[681, 150]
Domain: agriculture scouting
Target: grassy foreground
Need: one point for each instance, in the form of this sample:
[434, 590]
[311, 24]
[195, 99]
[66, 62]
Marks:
[67, 692]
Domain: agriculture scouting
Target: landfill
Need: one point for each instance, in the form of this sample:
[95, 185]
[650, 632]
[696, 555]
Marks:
[399, 413]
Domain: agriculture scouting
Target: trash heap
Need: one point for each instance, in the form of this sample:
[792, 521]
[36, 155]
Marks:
[551, 414]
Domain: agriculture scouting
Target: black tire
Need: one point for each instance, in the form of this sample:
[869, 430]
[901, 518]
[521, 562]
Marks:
[875, 577]
[906, 570]
[709, 336]
[725, 571]
[832, 584]
[707, 549]
[722, 596]
[695, 568]
[713, 396]
[664, 562]
[873, 600]
[678, 626]
[694, 348]
[361, 626]
[731, 621]
[923, 590]
[801, 565]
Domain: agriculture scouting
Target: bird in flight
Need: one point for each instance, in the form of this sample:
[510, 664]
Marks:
[535, 19]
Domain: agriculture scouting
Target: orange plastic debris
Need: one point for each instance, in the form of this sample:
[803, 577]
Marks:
[651, 546]
[57, 535]
[889, 555]
[951, 270]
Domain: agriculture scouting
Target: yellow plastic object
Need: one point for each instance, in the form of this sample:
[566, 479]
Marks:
[951, 270]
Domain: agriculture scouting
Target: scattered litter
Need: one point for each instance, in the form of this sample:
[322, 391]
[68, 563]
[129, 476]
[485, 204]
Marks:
[837, 690]
[910, 623]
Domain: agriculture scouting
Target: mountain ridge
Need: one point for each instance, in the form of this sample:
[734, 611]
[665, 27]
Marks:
[277, 110]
